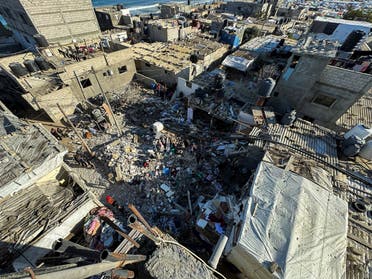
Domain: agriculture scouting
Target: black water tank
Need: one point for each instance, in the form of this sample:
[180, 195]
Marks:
[18, 69]
[43, 65]
[40, 40]
[31, 66]
[265, 87]
[352, 146]
[352, 40]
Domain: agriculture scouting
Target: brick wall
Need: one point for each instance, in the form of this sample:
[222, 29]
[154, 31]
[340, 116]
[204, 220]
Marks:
[345, 79]
[60, 21]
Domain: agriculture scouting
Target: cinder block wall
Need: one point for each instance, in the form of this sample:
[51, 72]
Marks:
[61, 21]
[312, 77]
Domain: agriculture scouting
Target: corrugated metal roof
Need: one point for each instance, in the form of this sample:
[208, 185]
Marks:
[23, 147]
[303, 135]
[359, 113]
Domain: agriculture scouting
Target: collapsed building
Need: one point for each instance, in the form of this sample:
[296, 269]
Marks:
[276, 195]
[42, 200]
[314, 83]
[66, 75]
[165, 62]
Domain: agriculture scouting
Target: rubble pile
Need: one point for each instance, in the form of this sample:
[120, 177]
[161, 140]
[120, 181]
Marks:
[172, 262]
[161, 162]
[98, 234]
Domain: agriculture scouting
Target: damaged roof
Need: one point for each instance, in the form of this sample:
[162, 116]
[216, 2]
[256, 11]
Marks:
[305, 137]
[25, 149]
[359, 113]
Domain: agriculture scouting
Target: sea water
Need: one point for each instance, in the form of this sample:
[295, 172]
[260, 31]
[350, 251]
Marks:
[142, 6]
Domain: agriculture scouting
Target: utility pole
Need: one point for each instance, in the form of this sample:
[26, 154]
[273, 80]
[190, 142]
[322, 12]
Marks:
[76, 131]
[107, 102]
[80, 86]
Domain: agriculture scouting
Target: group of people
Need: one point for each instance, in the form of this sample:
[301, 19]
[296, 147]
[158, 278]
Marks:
[163, 91]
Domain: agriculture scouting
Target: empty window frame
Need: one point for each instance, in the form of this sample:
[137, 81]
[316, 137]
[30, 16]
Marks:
[122, 69]
[86, 83]
[324, 100]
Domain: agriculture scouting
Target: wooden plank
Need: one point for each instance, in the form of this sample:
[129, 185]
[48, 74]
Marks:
[359, 240]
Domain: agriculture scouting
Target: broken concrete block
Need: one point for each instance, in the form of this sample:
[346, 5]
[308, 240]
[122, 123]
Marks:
[119, 175]
[169, 194]
[164, 187]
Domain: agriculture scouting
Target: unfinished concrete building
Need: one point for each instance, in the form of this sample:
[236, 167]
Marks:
[57, 21]
[61, 78]
[168, 30]
[248, 8]
[163, 30]
[169, 10]
[315, 89]
[40, 198]
[166, 62]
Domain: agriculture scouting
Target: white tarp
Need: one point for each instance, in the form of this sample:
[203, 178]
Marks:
[295, 223]
[344, 28]
[237, 62]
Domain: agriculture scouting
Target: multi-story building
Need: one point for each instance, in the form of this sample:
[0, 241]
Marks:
[57, 21]
[321, 81]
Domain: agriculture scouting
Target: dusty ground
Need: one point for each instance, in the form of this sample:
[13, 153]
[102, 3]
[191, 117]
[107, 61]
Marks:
[172, 262]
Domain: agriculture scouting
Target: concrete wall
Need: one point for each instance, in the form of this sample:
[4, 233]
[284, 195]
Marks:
[59, 21]
[148, 82]
[107, 81]
[214, 57]
[157, 73]
[158, 33]
[107, 73]
[243, 8]
[303, 86]
[64, 97]
[186, 87]
[19, 21]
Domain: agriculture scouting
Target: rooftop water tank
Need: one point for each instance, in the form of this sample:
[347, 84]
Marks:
[366, 151]
[157, 127]
[352, 40]
[18, 69]
[41, 40]
[42, 63]
[265, 87]
[360, 131]
[352, 146]
[31, 66]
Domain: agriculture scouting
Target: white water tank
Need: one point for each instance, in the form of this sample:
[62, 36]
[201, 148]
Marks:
[366, 151]
[157, 127]
[359, 131]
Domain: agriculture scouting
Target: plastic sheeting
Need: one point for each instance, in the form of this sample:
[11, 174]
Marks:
[237, 62]
[295, 223]
[344, 28]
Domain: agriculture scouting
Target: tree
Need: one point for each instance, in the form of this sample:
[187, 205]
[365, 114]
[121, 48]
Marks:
[362, 14]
